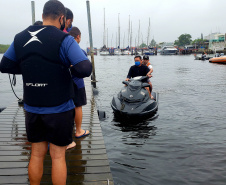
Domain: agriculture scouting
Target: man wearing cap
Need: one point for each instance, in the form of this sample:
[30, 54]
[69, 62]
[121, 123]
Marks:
[139, 70]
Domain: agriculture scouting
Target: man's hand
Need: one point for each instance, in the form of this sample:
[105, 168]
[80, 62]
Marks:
[127, 79]
[149, 75]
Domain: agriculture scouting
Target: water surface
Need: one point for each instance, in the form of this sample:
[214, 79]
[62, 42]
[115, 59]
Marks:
[186, 143]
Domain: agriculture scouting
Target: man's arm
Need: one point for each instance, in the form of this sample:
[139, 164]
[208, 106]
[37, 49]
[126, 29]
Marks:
[82, 69]
[148, 72]
[9, 62]
[9, 66]
[72, 55]
[129, 74]
[151, 68]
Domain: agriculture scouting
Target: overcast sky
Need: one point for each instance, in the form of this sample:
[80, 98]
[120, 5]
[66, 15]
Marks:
[169, 18]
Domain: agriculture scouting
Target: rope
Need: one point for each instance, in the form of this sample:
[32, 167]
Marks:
[13, 83]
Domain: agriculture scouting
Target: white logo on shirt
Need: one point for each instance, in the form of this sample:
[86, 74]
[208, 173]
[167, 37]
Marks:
[36, 84]
[34, 37]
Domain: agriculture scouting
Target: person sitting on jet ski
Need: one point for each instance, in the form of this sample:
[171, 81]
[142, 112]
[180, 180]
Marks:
[139, 70]
[148, 64]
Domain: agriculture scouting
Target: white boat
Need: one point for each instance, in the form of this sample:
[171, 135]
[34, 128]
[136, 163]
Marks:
[126, 52]
[169, 50]
[139, 52]
[148, 52]
[117, 51]
[104, 53]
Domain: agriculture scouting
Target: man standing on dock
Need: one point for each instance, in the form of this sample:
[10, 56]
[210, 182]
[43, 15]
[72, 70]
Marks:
[43, 55]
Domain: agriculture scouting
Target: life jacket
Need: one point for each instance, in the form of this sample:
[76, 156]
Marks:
[47, 81]
[148, 64]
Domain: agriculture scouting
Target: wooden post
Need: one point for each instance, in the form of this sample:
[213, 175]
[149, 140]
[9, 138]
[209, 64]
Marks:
[33, 11]
[91, 44]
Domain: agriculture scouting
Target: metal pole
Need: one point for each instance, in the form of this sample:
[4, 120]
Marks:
[91, 44]
[33, 11]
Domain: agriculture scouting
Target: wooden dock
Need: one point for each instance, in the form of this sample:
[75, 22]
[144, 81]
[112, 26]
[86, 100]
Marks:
[87, 163]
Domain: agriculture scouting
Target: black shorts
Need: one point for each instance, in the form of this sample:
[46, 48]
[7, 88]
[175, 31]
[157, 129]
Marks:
[54, 128]
[80, 96]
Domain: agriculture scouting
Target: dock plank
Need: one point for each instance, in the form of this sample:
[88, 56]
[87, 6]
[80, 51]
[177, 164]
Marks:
[87, 163]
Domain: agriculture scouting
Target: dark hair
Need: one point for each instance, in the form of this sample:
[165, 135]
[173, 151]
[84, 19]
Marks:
[38, 23]
[69, 14]
[53, 9]
[74, 32]
[138, 56]
[145, 57]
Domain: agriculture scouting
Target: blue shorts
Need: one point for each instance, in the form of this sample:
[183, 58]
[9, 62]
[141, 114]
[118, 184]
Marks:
[80, 96]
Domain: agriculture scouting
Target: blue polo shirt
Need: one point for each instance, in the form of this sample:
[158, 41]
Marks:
[70, 54]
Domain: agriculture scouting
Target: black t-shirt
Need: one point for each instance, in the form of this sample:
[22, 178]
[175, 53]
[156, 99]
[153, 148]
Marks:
[137, 71]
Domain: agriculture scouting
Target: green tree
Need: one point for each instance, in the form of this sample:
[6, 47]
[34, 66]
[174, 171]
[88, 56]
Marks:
[143, 45]
[3, 48]
[199, 42]
[184, 39]
[153, 43]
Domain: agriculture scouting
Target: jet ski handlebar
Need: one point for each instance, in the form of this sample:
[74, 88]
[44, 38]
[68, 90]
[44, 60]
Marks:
[125, 82]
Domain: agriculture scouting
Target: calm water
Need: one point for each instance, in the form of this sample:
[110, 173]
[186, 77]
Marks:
[185, 144]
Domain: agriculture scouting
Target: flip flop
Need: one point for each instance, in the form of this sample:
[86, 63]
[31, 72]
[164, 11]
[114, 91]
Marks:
[72, 145]
[83, 135]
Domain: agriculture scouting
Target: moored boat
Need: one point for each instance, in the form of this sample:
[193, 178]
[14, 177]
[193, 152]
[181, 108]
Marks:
[221, 60]
[169, 50]
[117, 51]
[104, 51]
[126, 52]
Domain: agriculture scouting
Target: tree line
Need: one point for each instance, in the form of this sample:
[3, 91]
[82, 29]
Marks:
[185, 39]
[3, 48]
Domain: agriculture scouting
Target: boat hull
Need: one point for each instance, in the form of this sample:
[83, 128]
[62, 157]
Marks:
[168, 52]
[221, 60]
[104, 53]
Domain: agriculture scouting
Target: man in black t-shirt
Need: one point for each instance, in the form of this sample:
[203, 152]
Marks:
[139, 70]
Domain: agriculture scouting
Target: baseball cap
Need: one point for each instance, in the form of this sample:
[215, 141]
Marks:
[145, 57]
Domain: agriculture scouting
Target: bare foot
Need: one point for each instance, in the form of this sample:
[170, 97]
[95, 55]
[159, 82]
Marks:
[72, 145]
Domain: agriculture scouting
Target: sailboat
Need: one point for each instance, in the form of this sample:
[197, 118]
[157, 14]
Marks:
[138, 50]
[117, 51]
[104, 50]
[148, 51]
[127, 50]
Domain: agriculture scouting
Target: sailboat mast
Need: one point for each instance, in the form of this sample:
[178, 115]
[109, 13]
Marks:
[139, 35]
[107, 37]
[116, 41]
[118, 31]
[129, 32]
[124, 41]
[148, 32]
[104, 28]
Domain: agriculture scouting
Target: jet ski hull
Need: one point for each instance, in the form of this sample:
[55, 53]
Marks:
[135, 110]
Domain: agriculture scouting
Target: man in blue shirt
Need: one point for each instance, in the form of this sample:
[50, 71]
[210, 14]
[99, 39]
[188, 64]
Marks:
[80, 94]
[43, 55]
